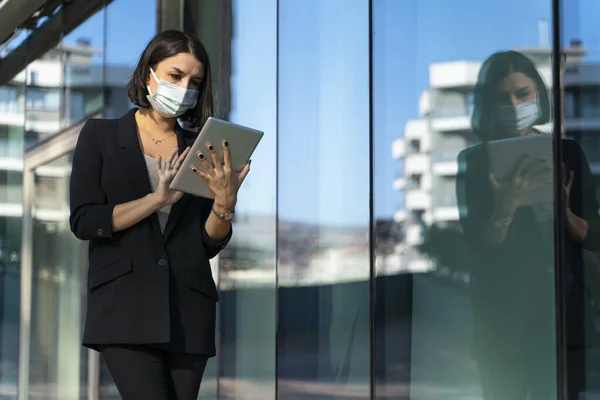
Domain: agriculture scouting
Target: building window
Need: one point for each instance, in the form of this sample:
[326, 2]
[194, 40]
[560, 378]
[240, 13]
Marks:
[8, 100]
[43, 100]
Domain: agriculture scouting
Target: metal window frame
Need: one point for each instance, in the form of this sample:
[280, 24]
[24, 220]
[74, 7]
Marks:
[57, 146]
[48, 36]
[169, 15]
[560, 265]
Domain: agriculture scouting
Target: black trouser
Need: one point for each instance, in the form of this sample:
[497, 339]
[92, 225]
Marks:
[150, 373]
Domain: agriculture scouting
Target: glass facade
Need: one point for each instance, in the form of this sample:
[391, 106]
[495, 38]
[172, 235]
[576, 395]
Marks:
[464, 308]
[389, 242]
[56, 358]
[41, 111]
[323, 200]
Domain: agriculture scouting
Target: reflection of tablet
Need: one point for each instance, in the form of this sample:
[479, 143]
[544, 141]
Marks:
[504, 154]
[242, 142]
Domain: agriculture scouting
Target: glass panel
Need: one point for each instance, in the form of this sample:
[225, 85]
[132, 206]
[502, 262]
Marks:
[323, 200]
[58, 362]
[83, 63]
[464, 302]
[121, 59]
[582, 123]
[122, 55]
[246, 276]
[65, 84]
[247, 265]
[12, 132]
[208, 21]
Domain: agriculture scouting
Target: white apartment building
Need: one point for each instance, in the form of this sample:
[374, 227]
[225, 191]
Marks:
[54, 92]
[431, 143]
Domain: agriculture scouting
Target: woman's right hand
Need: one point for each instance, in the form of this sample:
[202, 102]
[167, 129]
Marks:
[166, 171]
[526, 176]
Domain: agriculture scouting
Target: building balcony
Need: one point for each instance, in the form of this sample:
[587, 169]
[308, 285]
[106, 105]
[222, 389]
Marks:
[15, 210]
[11, 210]
[12, 118]
[50, 215]
[53, 171]
[446, 163]
[454, 74]
[446, 213]
[416, 129]
[417, 200]
[445, 196]
[399, 183]
[49, 125]
[11, 199]
[398, 148]
[400, 216]
[582, 124]
[45, 73]
[418, 163]
[460, 123]
[420, 265]
[11, 159]
[414, 235]
[84, 76]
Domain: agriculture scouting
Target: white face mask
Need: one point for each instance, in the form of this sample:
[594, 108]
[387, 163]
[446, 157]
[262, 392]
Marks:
[170, 100]
[519, 117]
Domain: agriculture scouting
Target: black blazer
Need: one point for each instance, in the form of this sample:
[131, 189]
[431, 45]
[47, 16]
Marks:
[144, 286]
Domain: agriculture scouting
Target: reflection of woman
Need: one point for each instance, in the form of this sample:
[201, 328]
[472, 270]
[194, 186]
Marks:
[513, 278]
[151, 296]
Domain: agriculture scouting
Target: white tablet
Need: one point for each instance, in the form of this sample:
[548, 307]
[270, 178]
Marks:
[242, 142]
[504, 154]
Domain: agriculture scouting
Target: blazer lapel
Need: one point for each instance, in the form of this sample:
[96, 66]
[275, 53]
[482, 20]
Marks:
[134, 163]
[133, 156]
[178, 207]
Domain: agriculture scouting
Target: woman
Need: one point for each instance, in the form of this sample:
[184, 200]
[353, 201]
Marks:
[513, 243]
[151, 296]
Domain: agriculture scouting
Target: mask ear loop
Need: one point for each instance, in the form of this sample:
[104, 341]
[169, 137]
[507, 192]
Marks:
[155, 78]
[538, 105]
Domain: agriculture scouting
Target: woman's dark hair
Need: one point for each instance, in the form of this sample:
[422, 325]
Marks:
[497, 67]
[164, 45]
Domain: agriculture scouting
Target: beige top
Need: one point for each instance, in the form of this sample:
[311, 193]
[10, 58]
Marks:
[163, 213]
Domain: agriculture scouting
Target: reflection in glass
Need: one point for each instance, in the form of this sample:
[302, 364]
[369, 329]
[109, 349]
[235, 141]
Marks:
[582, 113]
[122, 55]
[506, 202]
[456, 316]
[12, 118]
[65, 84]
[58, 362]
[323, 198]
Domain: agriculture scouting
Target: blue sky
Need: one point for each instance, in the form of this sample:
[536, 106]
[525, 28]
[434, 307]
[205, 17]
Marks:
[323, 83]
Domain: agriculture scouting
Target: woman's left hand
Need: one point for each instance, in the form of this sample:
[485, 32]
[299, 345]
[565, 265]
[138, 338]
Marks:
[221, 179]
[577, 227]
[567, 183]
